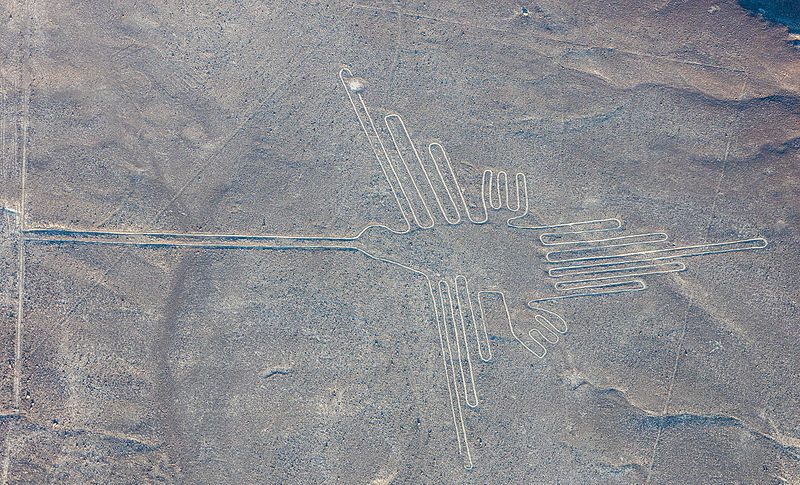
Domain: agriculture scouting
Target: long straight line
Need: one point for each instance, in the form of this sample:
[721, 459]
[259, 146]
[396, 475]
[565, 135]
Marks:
[544, 37]
[682, 338]
[297, 244]
[3, 137]
[70, 234]
[21, 254]
[27, 17]
[666, 253]
[205, 162]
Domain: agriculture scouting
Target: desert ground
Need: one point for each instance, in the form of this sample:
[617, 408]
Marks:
[399, 241]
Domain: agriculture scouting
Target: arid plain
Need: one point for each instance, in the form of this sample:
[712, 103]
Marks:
[398, 242]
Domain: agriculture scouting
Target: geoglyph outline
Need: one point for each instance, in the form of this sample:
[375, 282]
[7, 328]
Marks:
[600, 268]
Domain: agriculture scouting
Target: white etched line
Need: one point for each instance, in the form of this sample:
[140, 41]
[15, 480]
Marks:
[581, 283]
[484, 325]
[21, 257]
[417, 15]
[558, 239]
[439, 155]
[56, 234]
[15, 139]
[522, 208]
[546, 327]
[579, 227]
[606, 289]
[510, 323]
[678, 252]
[671, 382]
[548, 335]
[467, 377]
[20, 309]
[521, 190]
[531, 343]
[462, 287]
[444, 306]
[593, 284]
[408, 144]
[444, 340]
[412, 171]
[448, 186]
[442, 162]
[561, 255]
[470, 316]
[498, 183]
[552, 332]
[622, 268]
[398, 174]
[3, 115]
[561, 328]
[500, 194]
[355, 88]
[447, 377]
[282, 243]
